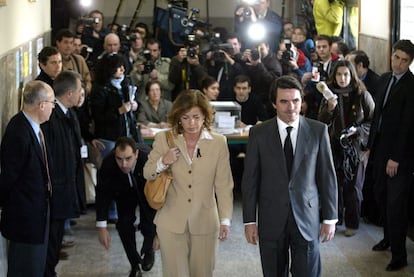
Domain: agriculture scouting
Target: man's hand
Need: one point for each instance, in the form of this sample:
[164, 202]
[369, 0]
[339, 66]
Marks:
[104, 237]
[250, 231]
[392, 168]
[327, 232]
[153, 74]
[98, 144]
[224, 232]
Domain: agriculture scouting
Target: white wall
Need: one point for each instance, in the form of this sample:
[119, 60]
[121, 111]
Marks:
[21, 21]
[376, 18]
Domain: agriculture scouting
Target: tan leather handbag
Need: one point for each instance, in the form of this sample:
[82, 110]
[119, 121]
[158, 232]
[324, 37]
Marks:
[156, 190]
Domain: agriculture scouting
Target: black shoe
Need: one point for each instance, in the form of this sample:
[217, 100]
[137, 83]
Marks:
[148, 261]
[394, 266]
[381, 246]
[135, 271]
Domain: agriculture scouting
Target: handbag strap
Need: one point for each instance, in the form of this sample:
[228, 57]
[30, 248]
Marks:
[170, 140]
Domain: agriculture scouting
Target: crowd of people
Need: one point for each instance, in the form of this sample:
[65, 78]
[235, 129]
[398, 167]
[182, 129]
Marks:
[341, 146]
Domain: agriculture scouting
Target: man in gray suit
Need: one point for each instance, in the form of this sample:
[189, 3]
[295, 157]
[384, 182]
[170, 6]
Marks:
[289, 177]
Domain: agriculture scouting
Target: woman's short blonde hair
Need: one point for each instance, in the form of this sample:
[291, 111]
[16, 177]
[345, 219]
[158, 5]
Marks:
[186, 100]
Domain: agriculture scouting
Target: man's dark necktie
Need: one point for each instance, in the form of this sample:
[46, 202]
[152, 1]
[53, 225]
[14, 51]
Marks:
[391, 84]
[44, 152]
[288, 148]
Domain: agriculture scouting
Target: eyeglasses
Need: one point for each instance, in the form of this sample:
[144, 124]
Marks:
[51, 102]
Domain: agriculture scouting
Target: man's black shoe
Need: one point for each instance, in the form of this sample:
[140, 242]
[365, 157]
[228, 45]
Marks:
[394, 266]
[381, 246]
[148, 261]
[135, 271]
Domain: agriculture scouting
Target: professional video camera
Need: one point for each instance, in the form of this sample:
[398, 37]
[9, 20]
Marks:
[148, 63]
[216, 46]
[288, 54]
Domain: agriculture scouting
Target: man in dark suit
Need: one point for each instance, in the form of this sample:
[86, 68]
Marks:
[25, 184]
[121, 179]
[289, 175]
[63, 139]
[361, 62]
[392, 151]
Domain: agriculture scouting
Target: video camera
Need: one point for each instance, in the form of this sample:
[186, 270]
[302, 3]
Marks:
[89, 21]
[216, 46]
[148, 63]
[288, 54]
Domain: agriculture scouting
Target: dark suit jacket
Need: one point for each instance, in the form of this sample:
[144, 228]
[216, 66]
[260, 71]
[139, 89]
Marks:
[371, 83]
[23, 184]
[113, 184]
[393, 139]
[312, 189]
[62, 137]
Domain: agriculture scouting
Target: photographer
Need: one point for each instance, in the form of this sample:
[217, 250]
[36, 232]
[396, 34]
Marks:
[223, 63]
[262, 66]
[186, 72]
[300, 40]
[293, 60]
[93, 35]
[321, 70]
[150, 67]
[136, 49]
[251, 12]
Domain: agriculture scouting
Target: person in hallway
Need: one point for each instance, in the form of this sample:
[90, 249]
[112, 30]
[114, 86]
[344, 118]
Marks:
[25, 184]
[360, 60]
[113, 107]
[211, 88]
[199, 204]
[328, 16]
[349, 117]
[392, 151]
[289, 176]
[50, 63]
[93, 36]
[71, 60]
[121, 179]
[63, 140]
[153, 112]
[258, 13]
[113, 103]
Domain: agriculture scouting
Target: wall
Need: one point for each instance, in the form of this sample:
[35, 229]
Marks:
[374, 37]
[22, 20]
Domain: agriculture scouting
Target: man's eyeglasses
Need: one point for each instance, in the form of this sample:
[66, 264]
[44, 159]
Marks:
[47, 101]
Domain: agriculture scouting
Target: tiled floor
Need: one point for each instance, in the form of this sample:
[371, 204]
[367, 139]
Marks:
[341, 257]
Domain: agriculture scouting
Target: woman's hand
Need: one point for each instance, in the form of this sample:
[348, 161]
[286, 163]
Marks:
[332, 102]
[171, 156]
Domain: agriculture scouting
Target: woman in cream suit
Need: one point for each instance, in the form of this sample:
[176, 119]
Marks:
[199, 204]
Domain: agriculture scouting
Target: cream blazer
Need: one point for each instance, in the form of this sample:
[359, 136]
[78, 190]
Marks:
[201, 194]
